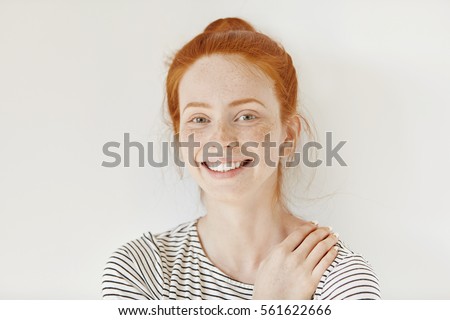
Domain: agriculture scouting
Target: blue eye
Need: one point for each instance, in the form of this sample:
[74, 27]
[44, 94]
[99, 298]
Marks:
[248, 117]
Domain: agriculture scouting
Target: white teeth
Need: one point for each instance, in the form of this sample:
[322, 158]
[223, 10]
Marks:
[223, 167]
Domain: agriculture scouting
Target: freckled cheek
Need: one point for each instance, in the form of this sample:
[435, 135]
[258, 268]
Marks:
[268, 133]
[258, 133]
[193, 141]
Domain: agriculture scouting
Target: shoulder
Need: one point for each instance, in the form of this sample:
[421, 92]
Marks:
[135, 269]
[350, 276]
[177, 235]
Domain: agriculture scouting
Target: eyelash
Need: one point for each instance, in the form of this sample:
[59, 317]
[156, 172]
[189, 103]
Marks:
[244, 115]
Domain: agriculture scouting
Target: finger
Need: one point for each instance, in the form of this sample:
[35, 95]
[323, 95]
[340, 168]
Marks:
[323, 265]
[297, 236]
[310, 242]
[320, 250]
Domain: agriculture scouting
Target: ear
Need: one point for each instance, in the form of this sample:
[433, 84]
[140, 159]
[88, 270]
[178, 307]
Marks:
[293, 129]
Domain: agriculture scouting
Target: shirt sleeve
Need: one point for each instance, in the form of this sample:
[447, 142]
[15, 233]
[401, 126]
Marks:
[133, 272]
[350, 278]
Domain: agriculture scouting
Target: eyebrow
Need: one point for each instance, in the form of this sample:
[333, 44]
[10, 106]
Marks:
[232, 104]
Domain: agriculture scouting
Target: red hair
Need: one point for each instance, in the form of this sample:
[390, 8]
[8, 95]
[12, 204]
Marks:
[234, 36]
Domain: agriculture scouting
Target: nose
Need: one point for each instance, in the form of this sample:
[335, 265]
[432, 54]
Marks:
[224, 137]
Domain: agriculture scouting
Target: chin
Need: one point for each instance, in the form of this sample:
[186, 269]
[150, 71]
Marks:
[226, 194]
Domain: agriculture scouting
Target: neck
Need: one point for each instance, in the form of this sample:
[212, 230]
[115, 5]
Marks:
[238, 236]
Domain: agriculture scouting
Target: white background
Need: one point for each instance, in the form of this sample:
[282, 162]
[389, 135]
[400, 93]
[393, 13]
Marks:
[77, 74]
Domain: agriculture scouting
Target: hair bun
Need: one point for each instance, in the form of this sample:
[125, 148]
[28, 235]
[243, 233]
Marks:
[229, 24]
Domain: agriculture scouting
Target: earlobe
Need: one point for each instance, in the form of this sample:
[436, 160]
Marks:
[287, 148]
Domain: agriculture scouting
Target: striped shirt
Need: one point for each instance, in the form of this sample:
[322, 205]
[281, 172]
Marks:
[173, 265]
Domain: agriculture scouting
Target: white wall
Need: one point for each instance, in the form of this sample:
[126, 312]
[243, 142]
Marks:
[77, 74]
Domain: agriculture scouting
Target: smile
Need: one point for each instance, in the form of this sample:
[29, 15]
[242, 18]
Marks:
[226, 166]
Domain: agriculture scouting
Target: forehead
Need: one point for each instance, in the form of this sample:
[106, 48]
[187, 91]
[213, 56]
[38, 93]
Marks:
[219, 79]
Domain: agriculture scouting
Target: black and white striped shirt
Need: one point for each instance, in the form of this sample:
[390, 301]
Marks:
[173, 265]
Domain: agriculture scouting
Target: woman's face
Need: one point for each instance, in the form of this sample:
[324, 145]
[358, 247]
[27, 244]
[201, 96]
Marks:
[223, 104]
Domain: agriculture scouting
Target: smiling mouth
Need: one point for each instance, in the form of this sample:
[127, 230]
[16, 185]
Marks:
[227, 166]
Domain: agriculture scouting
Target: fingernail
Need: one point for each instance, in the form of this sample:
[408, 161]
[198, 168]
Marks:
[336, 234]
[330, 229]
[314, 222]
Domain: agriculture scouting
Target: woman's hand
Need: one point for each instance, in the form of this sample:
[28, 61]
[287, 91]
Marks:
[293, 268]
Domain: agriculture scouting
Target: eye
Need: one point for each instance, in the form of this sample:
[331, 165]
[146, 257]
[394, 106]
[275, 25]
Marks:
[247, 117]
[199, 120]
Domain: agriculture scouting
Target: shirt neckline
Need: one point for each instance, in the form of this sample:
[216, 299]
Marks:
[216, 269]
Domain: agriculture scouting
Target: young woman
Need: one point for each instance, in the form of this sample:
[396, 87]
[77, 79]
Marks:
[230, 89]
